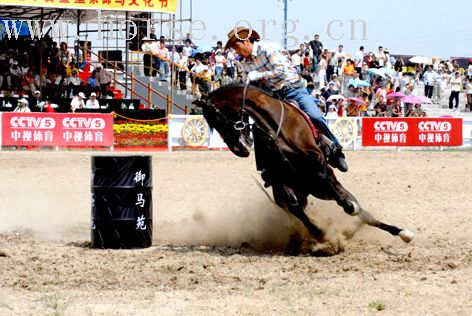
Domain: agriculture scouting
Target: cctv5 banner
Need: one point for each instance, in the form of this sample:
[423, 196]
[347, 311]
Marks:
[56, 129]
[411, 131]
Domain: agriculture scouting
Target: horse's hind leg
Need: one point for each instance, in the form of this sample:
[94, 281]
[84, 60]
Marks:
[289, 201]
[350, 205]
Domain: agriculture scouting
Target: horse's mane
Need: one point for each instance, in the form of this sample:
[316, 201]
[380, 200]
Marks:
[235, 85]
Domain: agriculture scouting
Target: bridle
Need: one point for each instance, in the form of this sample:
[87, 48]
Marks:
[240, 125]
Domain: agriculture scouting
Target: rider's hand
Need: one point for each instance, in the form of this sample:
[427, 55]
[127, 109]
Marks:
[252, 75]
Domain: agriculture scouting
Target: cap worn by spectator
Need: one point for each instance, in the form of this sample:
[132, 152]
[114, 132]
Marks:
[93, 94]
[36, 92]
[23, 100]
[81, 94]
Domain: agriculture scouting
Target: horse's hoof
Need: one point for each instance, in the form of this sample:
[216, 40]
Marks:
[406, 235]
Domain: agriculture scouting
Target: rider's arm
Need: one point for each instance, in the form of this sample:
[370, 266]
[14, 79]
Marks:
[277, 64]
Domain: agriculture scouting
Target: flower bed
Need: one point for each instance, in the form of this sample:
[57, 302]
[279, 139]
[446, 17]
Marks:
[138, 134]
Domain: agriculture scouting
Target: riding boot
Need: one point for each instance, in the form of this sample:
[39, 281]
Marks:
[337, 159]
[333, 153]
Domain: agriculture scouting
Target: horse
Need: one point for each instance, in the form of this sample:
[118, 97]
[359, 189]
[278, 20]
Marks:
[288, 152]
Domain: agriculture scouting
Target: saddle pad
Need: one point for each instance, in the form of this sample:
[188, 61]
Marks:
[307, 118]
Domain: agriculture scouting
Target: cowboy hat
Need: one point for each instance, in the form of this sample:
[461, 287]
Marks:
[239, 34]
[23, 100]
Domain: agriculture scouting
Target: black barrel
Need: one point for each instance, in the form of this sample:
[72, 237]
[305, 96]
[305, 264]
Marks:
[121, 202]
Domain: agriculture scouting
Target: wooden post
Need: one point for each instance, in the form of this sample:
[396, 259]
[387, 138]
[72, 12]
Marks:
[150, 95]
[168, 105]
[114, 76]
[186, 109]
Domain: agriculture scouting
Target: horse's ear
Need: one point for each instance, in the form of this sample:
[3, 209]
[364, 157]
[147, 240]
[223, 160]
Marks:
[202, 103]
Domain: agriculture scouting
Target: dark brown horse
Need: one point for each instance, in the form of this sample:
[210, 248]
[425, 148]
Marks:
[286, 151]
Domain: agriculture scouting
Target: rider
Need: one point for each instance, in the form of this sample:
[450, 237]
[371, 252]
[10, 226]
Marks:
[265, 61]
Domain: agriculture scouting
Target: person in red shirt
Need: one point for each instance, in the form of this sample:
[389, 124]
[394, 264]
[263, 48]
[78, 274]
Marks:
[48, 107]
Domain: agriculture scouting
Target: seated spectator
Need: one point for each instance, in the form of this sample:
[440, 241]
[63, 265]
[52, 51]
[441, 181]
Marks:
[42, 81]
[71, 69]
[353, 108]
[224, 79]
[49, 107]
[27, 82]
[60, 85]
[5, 78]
[104, 78]
[92, 103]
[36, 101]
[410, 112]
[381, 107]
[22, 106]
[340, 107]
[397, 108]
[92, 83]
[74, 84]
[15, 75]
[107, 94]
[332, 114]
[364, 108]
[419, 111]
[77, 102]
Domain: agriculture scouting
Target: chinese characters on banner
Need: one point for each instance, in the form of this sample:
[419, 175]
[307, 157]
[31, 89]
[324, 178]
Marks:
[56, 129]
[167, 6]
[411, 131]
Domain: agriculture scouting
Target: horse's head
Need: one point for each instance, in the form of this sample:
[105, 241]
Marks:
[225, 126]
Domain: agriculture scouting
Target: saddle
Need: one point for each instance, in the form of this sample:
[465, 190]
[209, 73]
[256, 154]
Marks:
[294, 104]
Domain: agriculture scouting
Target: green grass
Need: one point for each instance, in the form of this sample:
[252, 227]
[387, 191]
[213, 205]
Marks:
[377, 306]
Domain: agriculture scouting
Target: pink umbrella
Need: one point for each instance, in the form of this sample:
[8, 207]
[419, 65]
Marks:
[425, 100]
[395, 95]
[412, 99]
[335, 97]
[357, 100]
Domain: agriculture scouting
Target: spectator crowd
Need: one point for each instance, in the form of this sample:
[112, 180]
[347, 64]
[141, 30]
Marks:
[361, 84]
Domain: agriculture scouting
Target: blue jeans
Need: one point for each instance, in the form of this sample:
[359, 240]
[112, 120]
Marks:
[308, 105]
[163, 69]
[315, 63]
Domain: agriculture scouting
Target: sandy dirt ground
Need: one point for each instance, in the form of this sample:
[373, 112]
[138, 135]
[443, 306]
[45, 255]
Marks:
[219, 243]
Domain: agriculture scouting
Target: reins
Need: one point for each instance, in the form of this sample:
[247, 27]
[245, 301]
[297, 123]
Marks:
[240, 125]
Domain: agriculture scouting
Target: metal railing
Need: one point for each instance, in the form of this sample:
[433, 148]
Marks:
[174, 66]
[134, 80]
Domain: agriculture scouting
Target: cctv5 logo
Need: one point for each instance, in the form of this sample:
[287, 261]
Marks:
[33, 122]
[432, 126]
[83, 123]
[389, 126]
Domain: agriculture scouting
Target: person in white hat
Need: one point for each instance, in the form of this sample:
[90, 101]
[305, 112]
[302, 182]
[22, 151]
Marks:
[77, 102]
[92, 103]
[22, 106]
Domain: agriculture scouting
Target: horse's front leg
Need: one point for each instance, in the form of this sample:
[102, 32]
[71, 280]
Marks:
[295, 204]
